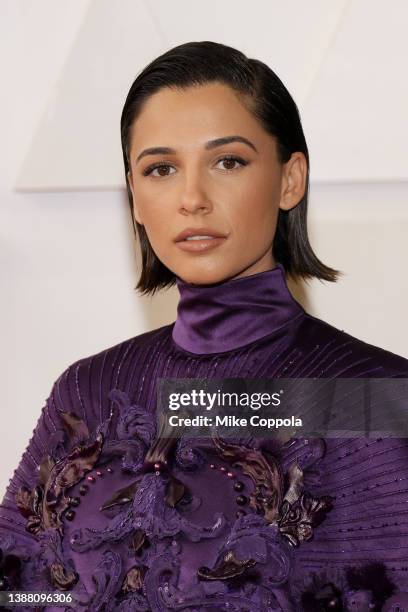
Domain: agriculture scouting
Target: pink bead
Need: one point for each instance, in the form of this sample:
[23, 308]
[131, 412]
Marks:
[223, 469]
[99, 473]
[91, 478]
[230, 475]
[157, 466]
[212, 466]
[109, 469]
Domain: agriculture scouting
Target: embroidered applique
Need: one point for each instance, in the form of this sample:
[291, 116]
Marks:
[297, 520]
[150, 519]
[45, 503]
[295, 512]
[44, 506]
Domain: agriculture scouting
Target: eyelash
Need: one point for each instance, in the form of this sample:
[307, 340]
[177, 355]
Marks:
[241, 161]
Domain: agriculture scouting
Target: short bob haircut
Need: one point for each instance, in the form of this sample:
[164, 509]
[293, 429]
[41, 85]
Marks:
[266, 97]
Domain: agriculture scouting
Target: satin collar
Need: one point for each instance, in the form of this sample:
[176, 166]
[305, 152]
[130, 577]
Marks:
[231, 314]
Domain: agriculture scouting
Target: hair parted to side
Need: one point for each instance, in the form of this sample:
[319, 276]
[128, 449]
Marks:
[200, 63]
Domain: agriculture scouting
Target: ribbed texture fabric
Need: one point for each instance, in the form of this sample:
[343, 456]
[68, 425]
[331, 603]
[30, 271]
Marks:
[367, 478]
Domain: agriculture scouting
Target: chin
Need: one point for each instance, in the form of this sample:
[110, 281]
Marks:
[204, 277]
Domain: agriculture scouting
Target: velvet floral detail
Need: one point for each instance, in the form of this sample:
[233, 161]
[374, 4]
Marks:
[130, 431]
[131, 595]
[297, 520]
[61, 571]
[44, 504]
[279, 497]
[254, 548]
[228, 567]
[74, 453]
[151, 506]
[150, 513]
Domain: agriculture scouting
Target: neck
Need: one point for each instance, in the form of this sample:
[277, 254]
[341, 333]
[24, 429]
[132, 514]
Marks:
[234, 313]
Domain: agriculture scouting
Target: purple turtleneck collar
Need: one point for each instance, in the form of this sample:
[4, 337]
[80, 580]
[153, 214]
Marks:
[228, 315]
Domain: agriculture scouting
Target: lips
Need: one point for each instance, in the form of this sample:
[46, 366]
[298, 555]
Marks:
[200, 245]
[198, 231]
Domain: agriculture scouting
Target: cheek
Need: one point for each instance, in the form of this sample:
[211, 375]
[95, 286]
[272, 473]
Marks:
[258, 199]
[156, 224]
[256, 217]
[152, 206]
[150, 202]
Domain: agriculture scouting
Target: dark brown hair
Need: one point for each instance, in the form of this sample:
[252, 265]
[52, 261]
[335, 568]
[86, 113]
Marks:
[199, 63]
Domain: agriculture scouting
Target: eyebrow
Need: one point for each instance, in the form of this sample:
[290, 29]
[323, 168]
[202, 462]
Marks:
[211, 144]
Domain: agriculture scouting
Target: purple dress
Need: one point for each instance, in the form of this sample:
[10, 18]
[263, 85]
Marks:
[93, 512]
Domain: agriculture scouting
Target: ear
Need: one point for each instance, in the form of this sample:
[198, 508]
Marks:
[136, 211]
[293, 181]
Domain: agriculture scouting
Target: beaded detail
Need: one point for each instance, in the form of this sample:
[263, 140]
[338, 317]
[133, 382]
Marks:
[151, 510]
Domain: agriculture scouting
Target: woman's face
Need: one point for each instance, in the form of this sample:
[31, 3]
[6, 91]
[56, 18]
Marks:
[233, 189]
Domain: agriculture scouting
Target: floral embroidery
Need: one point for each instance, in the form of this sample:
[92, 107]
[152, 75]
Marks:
[150, 516]
[150, 513]
[229, 567]
[296, 513]
[44, 505]
[106, 578]
[297, 520]
[61, 571]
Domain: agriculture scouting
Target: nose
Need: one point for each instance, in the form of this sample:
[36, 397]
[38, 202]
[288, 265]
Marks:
[194, 197]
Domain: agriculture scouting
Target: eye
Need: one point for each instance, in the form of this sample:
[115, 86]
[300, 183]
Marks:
[232, 159]
[150, 169]
[163, 168]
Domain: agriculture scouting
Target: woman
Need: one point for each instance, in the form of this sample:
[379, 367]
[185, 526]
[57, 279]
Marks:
[100, 507]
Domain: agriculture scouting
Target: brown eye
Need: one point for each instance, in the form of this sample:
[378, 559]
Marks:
[229, 162]
[161, 168]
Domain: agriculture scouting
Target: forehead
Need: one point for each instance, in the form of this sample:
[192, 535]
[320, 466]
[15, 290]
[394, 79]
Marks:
[193, 116]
